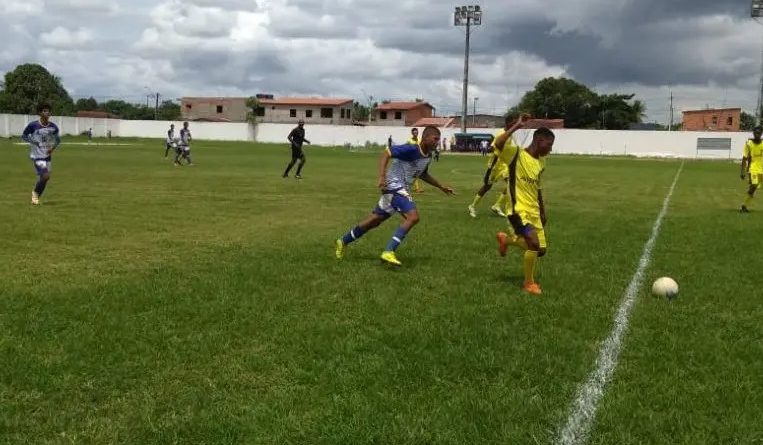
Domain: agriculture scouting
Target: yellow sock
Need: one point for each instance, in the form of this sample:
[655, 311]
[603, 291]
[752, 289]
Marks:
[747, 201]
[476, 201]
[531, 257]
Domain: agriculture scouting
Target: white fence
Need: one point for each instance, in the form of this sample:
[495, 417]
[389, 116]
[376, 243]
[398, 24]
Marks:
[594, 142]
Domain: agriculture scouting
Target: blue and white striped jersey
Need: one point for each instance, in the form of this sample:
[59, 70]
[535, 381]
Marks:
[185, 137]
[407, 163]
[41, 138]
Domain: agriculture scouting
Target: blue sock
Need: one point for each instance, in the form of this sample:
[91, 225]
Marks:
[40, 187]
[397, 238]
[353, 235]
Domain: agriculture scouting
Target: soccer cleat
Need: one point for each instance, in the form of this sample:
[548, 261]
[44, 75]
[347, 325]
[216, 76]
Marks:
[297, 176]
[472, 211]
[503, 244]
[35, 198]
[284, 175]
[744, 209]
[177, 164]
[339, 249]
[390, 258]
[532, 288]
[497, 210]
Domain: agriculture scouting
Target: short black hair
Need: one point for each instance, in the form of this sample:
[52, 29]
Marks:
[429, 129]
[545, 132]
[42, 106]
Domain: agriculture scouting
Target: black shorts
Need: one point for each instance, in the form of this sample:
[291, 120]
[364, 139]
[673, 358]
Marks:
[297, 153]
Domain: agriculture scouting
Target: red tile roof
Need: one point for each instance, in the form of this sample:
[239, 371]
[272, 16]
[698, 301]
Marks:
[317, 101]
[401, 106]
[435, 122]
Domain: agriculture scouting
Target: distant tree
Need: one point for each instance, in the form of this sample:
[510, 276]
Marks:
[747, 121]
[126, 110]
[88, 104]
[579, 106]
[169, 111]
[28, 85]
[360, 112]
[254, 108]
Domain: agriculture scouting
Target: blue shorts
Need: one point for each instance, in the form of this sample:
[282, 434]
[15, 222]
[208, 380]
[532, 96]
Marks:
[42, 166]
[398, 201]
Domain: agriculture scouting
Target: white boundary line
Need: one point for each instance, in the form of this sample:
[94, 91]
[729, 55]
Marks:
[583, 409]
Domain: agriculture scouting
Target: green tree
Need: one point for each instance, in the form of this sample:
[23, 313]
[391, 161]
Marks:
[126, 110]
[30, 84]
[579, 106]
[255, 110]
[360, 112]
[747, 121]
[89, 104]
[169, 111]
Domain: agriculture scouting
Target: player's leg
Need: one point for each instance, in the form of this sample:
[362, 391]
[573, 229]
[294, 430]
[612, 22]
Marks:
[178, 155]
[406, 207]
[487, 184]
[302, 162]
[755, 180]
[499, 208]
[381, 213]
[43, 176]
[187, 155]
[294, 157]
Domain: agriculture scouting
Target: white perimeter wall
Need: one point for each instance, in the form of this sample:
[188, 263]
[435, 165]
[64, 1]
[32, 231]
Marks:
[594, 142]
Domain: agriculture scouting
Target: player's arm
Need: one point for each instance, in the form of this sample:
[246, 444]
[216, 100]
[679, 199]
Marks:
[27, 134]
[429, 179]
[501, 140]
[56, 141]
[383, 162]
[746, 158]
[290, 138]
[542, 208]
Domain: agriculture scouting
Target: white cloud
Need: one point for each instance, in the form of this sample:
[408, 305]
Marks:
[66, 39]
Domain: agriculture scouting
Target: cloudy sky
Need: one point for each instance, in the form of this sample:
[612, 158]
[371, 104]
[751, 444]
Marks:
[707, 52]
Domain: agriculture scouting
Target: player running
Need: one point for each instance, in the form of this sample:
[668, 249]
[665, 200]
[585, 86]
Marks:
[526, 211]
[43, 138]
[398, 167]
[184, 146]
[752, 166]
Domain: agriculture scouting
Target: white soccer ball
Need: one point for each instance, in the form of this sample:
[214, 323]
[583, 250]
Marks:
[665, 287]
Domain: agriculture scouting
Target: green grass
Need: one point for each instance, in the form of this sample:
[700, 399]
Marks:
[143, 303]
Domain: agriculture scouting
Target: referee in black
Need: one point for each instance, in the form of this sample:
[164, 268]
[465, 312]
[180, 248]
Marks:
[297, 138]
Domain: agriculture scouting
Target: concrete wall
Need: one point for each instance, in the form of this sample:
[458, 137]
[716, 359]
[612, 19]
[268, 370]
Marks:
[681, 144]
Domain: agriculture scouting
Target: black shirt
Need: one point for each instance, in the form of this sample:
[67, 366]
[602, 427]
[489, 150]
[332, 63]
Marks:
[297, 137]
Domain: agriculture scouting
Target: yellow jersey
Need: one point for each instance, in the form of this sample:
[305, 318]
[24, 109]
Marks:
[524, 179]
[494, 158]
[754, 152]
[412, 140]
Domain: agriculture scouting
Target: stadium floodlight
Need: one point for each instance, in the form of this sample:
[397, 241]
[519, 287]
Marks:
[757, 9]
[467, 16]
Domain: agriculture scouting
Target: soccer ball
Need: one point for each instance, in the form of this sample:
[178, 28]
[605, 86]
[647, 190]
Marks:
[665, 287]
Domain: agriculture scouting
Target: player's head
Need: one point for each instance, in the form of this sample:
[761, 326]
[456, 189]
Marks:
[43, 110]
[543, 140]
[414, 132]
[430, 137]
[757, 132]
[185, 124]
[172, 126]
[301, 123]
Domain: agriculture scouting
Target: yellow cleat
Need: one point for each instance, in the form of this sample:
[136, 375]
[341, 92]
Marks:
[390, 258]
[339, 249]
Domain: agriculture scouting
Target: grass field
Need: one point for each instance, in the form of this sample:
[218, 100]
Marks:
[144, 303]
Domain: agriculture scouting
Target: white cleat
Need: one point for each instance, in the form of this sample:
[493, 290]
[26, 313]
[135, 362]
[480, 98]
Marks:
[498, 211]
[472, 211]
[35, 198]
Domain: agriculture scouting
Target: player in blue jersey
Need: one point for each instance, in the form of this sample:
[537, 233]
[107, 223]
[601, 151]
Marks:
[398, 167]
[184, 145]
[43, 138]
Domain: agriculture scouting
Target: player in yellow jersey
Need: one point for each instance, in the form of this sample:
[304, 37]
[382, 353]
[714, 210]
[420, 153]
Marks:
[526, 212]
[497, 170]
[752, 166]
[414, 139]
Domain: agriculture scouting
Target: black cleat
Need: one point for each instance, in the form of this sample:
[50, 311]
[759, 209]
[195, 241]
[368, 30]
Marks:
[744, 210]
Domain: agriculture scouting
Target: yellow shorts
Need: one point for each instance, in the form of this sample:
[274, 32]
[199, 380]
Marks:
[498, 173]
[533, 220]
[756, 178]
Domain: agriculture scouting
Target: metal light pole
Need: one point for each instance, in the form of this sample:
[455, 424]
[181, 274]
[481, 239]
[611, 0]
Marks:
[474, 112]
[756, 12]
[467, 16]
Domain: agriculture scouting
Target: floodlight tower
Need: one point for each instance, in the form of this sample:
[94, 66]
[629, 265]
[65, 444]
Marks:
[468, 16]
[756, 12]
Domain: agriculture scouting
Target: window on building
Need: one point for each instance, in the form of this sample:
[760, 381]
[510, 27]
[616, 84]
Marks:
[327, 113]
[259, 111]
[293, 112]
[383, 115]
[308, 113]
[398, 115]
[219, 109]
[341, 113]
[715, 120]
[730, 121]
[188, 106]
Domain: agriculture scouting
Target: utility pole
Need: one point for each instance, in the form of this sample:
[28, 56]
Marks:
[670, 127]
[156, 109]
[756, 12]
[474, 113]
